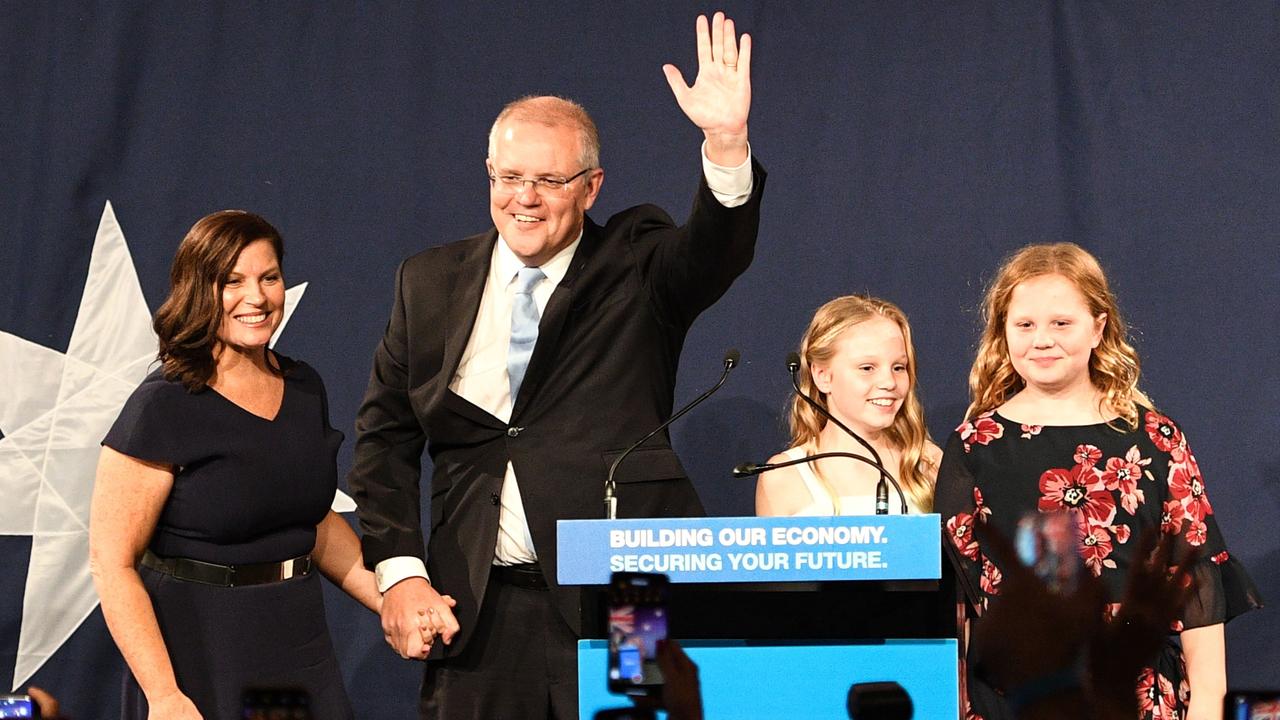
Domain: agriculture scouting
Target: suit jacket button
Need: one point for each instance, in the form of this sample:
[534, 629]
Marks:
[494, 498]
[514, 431]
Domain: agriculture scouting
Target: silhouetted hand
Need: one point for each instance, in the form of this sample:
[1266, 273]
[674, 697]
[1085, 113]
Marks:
[1157, 589]
[48, 704]
[1031, 633]
[681, 691]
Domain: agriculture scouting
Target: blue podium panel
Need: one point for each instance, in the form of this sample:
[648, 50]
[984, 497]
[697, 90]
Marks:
[753, 680]
[752, 549]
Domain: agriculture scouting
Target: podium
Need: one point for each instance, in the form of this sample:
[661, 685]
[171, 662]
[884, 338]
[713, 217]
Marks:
[782, 615]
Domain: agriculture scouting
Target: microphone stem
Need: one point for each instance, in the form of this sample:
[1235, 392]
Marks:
[610, 486]
[750, 469]
[879, 463]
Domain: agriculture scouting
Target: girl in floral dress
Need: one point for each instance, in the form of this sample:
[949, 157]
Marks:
[1057, 423]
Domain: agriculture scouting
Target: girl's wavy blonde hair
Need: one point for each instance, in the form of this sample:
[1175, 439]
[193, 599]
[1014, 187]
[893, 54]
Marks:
[1113, 365]
[907, 434]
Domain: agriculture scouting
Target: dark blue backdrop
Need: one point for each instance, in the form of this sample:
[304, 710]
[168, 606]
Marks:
[911, 145]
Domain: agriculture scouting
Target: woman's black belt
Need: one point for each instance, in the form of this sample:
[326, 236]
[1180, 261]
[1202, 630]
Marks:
[228, 575]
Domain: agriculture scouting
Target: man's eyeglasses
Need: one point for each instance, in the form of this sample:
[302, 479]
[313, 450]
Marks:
[512, 184]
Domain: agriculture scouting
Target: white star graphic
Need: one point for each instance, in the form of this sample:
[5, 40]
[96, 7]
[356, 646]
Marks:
[54, 412]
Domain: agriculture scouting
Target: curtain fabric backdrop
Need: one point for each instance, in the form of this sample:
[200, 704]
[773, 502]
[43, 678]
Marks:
[911, 145]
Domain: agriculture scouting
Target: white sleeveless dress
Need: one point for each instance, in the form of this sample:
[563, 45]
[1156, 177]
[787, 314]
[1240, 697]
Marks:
[820, 503]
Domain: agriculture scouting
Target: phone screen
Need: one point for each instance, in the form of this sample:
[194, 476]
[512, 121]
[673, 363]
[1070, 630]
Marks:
[637, 621]
[17, 706]
[1253, 706]
[1046, 543]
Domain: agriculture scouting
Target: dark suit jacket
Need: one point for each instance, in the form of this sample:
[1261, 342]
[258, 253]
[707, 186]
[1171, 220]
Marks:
[602, 375]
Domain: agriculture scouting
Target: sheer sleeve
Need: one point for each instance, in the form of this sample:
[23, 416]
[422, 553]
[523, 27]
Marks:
[1223, 586]
[959, 501]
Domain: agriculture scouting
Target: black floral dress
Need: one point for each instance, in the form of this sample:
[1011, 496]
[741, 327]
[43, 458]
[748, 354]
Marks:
[1118, 483]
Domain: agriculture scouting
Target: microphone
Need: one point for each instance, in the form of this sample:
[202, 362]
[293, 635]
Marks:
[750, 469]
[882, 490]
[731, 360]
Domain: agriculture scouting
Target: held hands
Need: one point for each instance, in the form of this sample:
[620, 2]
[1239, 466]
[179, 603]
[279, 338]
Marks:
[433, 622]
[720, 98]
[413, 614]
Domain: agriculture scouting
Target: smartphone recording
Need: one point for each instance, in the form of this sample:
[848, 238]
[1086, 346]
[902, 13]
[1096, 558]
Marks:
[637, 623]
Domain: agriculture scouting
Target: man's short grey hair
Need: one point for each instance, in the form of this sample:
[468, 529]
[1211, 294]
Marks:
[553, 111]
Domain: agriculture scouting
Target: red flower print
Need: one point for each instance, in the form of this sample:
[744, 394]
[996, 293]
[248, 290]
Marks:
[1168, 702]
[1146, 691]
[1080, 488]
[1163, 432]
[1175, 626]
[980, 510]
[1155, 696]
[991, 577]
[1131, 501]
[1171, 519]
[1095, 549]
[960, 528]
[1186, 486]
[1220, 558]
[1123, 474]
[1197, 533]
[1087, 455]
[981, 431]
[1029, 430]
[1122, 533]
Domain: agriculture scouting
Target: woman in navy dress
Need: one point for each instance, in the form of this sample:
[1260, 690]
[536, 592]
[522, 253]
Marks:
[1057, 424]
[210, 511]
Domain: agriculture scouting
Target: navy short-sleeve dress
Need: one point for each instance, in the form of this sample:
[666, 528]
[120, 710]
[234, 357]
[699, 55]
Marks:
[245, 490]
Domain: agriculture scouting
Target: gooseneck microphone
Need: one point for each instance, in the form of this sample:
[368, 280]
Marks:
[731, 359]
[882, 490]
[749, 469]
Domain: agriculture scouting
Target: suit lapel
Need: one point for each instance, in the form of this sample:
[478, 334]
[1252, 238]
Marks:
[464, 300]
[554, 317]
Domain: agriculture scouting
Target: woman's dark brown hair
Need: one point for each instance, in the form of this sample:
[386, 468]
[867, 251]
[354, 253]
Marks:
[187, 323]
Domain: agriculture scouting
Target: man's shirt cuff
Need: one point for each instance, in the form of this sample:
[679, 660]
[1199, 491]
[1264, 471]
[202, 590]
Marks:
[731, 185]
[393, 570]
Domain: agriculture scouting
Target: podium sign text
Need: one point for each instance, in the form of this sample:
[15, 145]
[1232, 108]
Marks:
[752, 549]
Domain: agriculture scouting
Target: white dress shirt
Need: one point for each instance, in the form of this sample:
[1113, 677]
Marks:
[481, 378]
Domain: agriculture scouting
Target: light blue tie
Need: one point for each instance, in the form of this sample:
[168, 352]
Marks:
[524, 327]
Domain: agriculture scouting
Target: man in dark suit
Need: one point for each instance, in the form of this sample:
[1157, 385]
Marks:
[525, 359]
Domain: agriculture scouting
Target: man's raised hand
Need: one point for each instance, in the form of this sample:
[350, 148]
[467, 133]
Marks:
[719, 100]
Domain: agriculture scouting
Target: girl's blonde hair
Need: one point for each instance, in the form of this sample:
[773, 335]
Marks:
[907, 434]
[1113, 365]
